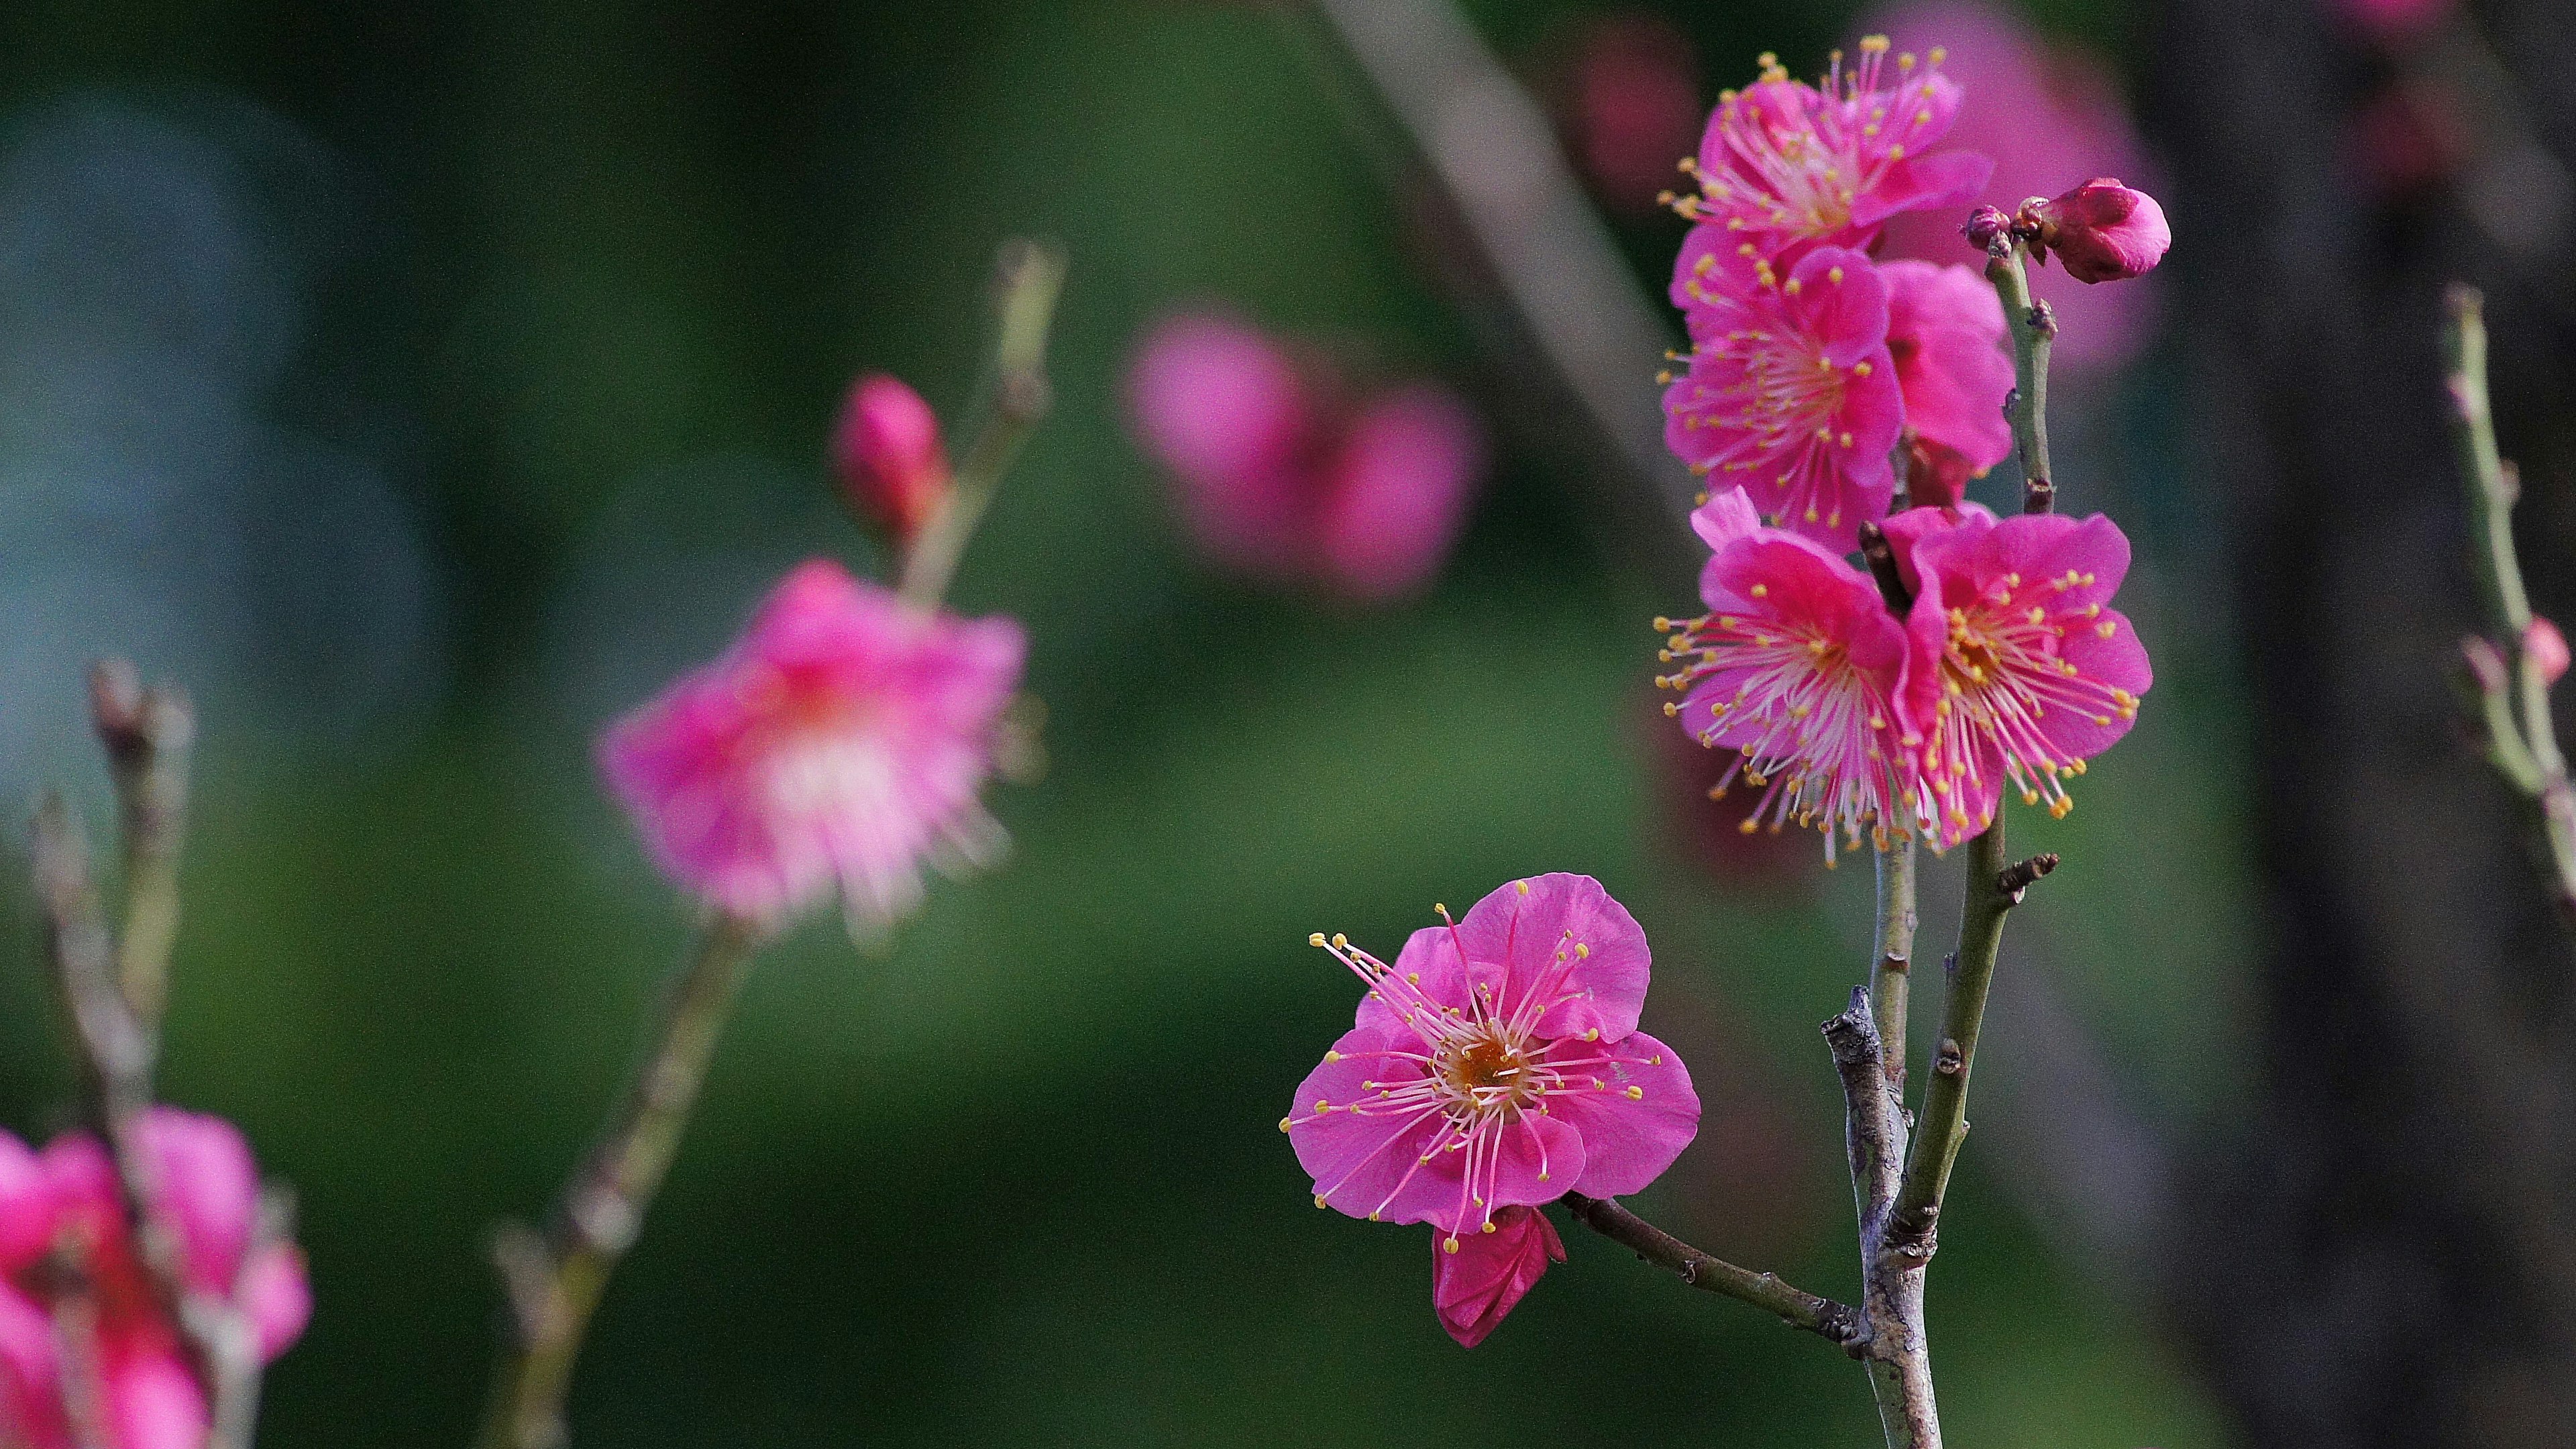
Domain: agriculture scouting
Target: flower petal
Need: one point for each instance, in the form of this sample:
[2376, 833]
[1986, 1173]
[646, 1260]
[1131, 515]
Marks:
[1360, 1157]
[1563, 938]
[1635, 1124]
[1474, 1288]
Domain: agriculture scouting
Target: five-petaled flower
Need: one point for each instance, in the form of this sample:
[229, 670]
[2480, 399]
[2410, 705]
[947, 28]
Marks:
[89, 1353]
[1791, 390]
[1797, 665]
[1495, 1065]
[2020, 671]
[1785, 165]
[842, 740]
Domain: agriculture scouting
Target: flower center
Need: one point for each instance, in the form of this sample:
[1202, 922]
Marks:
[1486, 1072]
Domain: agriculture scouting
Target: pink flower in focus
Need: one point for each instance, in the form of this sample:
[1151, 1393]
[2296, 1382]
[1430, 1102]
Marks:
[2020, 670]
[1791, 385]
[840, 741]
[1945, 328]
[2546, 647]
[1785, 165]
[887, 454]
[1495, 1065]
[66, 1243]
[2103, 231]
[2045, 112]
[1473, 1288]
[1635, 108]
[1797, 666]
[1275, 482]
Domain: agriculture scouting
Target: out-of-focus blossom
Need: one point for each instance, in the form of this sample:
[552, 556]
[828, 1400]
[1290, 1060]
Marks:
[1635, 108]
[1797, 666]
[2020, 670]
[2102, 231]
[841, 741]
[1784, 165]
[1495, 1065]
[1276, 480]
[2546, 647]
[888, 456]
[1790, 389]
[2410, 136]
[2393, 20]
[1474, 1287]
[84, 1338]
[2046, 113]
[1945, 329]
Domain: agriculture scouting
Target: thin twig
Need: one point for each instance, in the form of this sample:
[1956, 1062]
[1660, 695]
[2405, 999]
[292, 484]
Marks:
[1897, 1352]
[1892, 958]
[1016, 397]
[554, 1283]
[2034, 329]
[2525, 750]
[1837, 1322]
[1880, 555]
[146, 734]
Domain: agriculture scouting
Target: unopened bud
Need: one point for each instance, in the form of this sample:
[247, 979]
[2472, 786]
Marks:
[2103, 231]
[2543, 645]
[888, 457]
[2485, 662]
[1985, 225]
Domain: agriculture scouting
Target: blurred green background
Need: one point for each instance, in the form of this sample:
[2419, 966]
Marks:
[574, 289]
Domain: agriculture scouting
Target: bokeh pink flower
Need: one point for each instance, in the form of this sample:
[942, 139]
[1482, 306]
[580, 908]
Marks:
[1789, 389]
[1633, 108]
[842, 741]
[1496, 1064]
[1945, 330]
[84, 1335]
[888, 456]
[1277, 476]
[2048, 113]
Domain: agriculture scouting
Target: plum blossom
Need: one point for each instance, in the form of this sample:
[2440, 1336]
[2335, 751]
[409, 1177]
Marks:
[1785, 165]
[1945, 329]
[888, 455]
[1633, 104]
[2102, 231]
[842, 740]
[1277, 476]
[84, 1338]
[1496, 1065]
[2020, 670]
[1791, 385]
[1797, 666]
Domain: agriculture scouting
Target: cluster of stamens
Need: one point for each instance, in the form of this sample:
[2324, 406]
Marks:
[1786, 404]
[2002, 671]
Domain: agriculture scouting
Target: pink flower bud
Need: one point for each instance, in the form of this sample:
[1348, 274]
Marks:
[1984, 225]
[2543, 645]
[2102, 230]
[887, 454]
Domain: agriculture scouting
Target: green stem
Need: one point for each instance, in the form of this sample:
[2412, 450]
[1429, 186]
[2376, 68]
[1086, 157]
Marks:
[1015, 399]
[2034, 329]
[555, 1284]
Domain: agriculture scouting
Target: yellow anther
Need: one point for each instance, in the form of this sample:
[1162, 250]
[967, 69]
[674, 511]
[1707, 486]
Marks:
[1592, 1035]
[1283, 1124]
[2106, 628]
[2038, 615]
[1316, 939]
[1760, 591]
[1636, 1094]
[1861, 369]
[1332, 1056]
[1341, 942]
[1522, 886]
[1323, 1106]
[1449, 1245]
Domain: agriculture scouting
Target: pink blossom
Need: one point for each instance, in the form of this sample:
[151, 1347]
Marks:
[1797, 666]
[2045, 111]
[888, 456]
[2103, 231]
[1945, 329]
[1785, 165]
[2543, 645]
[2020, 670]
[1496, 1064]
[1635, 108]
[69, 1265]
[841, 740]
[1473, 1288]
[1275, 481]
[1791, 384]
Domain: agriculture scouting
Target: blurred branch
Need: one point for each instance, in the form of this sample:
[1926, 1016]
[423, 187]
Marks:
[147, 734]
[1029, 279]
[2034, 330]
[1837, 1322]
[1488, 148]
[554, 1281]
[2527, 755]
[1896, 1350]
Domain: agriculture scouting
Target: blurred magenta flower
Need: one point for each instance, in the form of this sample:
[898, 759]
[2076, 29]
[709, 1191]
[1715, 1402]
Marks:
[2046, 113]
[1634, 108]
[1945, 329]
[1784, 165]
[1790, 384]
[1473, 1288]
[1797, 665]
[69, 1263]
[1275, 480]
[2102, 231]
[842, 740]
[2020, 669]
[887, 455]
[1496, 1064]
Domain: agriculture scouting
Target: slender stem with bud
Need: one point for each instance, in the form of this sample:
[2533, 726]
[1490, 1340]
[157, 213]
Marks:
[2034, 330]
[2524, 749]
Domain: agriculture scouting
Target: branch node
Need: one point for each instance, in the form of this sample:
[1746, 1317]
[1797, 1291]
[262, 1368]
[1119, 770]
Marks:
[2018, 878]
